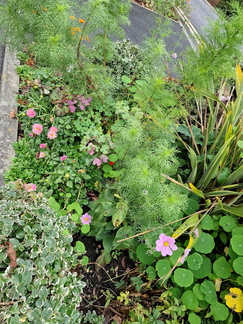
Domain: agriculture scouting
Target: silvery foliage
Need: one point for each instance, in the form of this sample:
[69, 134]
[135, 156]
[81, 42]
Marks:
[43, 288]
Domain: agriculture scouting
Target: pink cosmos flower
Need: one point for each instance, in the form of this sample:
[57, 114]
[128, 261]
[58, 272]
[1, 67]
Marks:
[51, 134]
[91, 151]
[31, 135]
[30, 187]
[42, 145]
[186, 252]
[196, 232]
[37, 129]
[42, 155]
[104, 158]
[31, 113]
[97, 162]
[174, 55]
[85, 219]
[53, 129]
[166, 245]
[62, 158]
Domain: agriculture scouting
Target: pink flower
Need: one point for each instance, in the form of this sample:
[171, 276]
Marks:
[104, 158]
[42, 154]
[166, 245]
[62, 158]
[51, 134]
[31, 113]
[196, 233]
[85, 219]
[51, 119]
[91, 151]
[31, 135]
[174, 55]
[42, 145]
[53, 129]
[186, 252]
[97, 162]
[37, 129]
[30, 187]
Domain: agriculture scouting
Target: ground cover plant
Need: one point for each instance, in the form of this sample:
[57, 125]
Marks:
[131, 160]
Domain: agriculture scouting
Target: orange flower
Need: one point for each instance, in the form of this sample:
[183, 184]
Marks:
[74, 30]
[81, 20]
[72, 17]
[33, 11]
[87, 38]
[45, 9]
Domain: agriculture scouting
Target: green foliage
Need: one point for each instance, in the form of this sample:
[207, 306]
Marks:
[42, 284]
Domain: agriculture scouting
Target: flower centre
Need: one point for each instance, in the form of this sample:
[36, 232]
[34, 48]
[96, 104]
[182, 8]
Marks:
[166, 244]
[86, 219]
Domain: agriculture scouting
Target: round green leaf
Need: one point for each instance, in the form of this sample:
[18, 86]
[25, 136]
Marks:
[143, 254]
[107, 168]
[228, 223]
[222, 268]
[237, 244]
[176, 254]
[183, 277]
[76, 218]
[238, 265]
[85, 260]
[207, 223]
[193, 206]
[205, 244]
[79, 247]
[151, 273]
[207, 287]
[194, 261]
[85, 228]
[189, 300]
[239, 280]
[205, 268]
[197, 292]
[219, 311]
[194, 319]
[237, 231]
[163, 267]
[113, 157]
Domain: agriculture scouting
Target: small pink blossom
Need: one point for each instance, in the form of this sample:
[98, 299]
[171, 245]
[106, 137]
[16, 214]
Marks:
[42, 145]
[53, 129]
[166, 245]
[42, 155]
[224, 99]
[186, 252]
[31, 135]
[104, 158]
[31, 113]
[30, 187]
[97, 162]
[51, 134]
[174, 55]
[91, 151]
[85, 219]
[62, 158]
[196, 232]
[37, 129]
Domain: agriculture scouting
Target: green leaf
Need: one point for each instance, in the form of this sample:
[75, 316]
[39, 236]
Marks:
[197, 292]
[228, 223]
[207, 223]
[183, 277]
[205, 268]
[193, 206]
[126, 79]
[85, 228]
[205, 244]
[194, 261]
[222, 268]
[163, 267]
[189, 300]
[143, 254]
[219, 311]
[194, 319]
[190, 222]
[237, 244]
[207, 287]
[79, 247]
[176, 255]
[238, 211]
[121, 213]
[75, 206]
[151, 273]
[113, 157]
[76, 218]
[85, 260]
[107, 168]
[54, 204]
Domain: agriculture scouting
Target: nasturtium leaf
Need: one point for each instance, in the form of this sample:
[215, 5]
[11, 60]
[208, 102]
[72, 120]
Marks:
[163, 267]
[205, 268]
[194, 261]
[237, 244]
[207, 287]
[222, 268]
[219, 311]
[54, 204]
[143, 254]
[207, 223]
[205, 244]
[240, 280]
[228, 223]
[237, 231]
[234, 299]
[238, 265]
[183, 277]
[194, 319]
[176, 292]
[85, 228]
[197, 292]
[76, 218]
[113, 157]
[151, 273]
[85, 260]
[176, 254]
[193, 206]
[203, 304]
[231, 253]
[189, 300]
[107, 168]
[79, 247]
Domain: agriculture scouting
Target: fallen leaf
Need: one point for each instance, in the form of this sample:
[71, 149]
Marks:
[11, 255]
[12, 114]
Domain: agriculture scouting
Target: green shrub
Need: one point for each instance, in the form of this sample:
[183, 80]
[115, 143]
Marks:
[43, 287]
